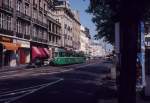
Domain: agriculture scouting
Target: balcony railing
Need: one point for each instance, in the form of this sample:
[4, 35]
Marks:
[45, 41]
[35, 38]
[20, 35]
[39, 39]
[23, 15]
[28, 1]
[7, 8]
[40, 23]
[6, 32]
[27, 37]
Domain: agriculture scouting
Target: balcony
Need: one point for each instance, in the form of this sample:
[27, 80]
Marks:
[39, 39]
[40, 23]
[45, 41]
[27, 1]
[6, 32]
[27, 37]
[23, 16]
[35, 38]
[7, 8]
[19, 35]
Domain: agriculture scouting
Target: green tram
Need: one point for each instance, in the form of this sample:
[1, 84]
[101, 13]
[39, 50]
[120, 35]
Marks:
[67, 58]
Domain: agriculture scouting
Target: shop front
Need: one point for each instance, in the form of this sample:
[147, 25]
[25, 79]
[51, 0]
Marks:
[23, 52]
[39, 53]
[8, 51]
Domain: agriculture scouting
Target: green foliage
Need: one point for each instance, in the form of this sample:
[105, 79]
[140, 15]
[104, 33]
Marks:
[104, 15]
[107, 12]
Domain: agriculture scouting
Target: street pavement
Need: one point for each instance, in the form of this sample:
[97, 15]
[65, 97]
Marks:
[80, 84]
[21, 71]
[85, 83]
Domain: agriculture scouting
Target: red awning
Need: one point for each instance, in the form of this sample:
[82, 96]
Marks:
[42, 52]
[35, 53]
[46, 51]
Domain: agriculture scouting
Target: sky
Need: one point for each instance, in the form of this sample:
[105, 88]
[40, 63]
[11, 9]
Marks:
[85, 18]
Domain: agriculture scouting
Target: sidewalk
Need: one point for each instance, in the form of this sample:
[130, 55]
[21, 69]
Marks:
[8, 68]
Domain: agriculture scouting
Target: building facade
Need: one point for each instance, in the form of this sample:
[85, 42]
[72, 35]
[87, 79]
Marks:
[70, 23]
[96, 49]
[84, 41]
[76, 31]
[26, 31]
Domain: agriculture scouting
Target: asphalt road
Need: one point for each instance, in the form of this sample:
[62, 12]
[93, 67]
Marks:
[82, 85]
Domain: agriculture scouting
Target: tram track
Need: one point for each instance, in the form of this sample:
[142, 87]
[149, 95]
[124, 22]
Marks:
[11, 96]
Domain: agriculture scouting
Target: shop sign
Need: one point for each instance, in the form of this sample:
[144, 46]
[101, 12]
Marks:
[5, 39]
[23, 44]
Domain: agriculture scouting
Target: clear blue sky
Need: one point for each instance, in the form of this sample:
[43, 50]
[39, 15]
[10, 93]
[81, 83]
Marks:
[85, 18]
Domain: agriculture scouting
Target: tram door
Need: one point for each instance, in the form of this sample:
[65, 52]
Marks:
[147, 61]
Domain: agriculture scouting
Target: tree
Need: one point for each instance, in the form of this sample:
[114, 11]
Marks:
[104, 13]
[129, 13]
[107, 12]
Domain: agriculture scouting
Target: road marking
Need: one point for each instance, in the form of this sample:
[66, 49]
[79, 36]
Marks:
[30, 91]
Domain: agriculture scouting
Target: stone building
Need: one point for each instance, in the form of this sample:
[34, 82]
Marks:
[84, 40]
[70, 23]
[27, 31]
